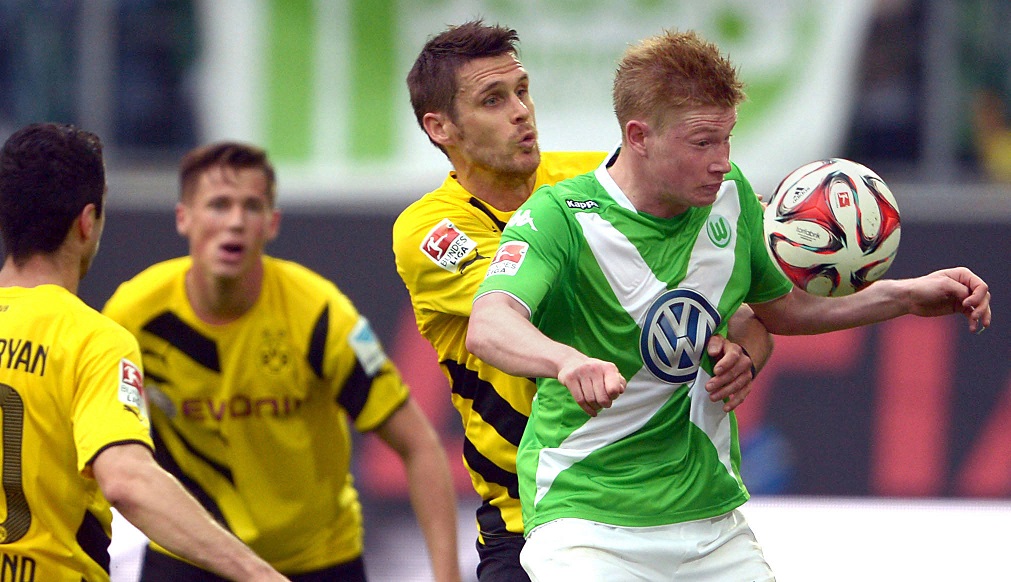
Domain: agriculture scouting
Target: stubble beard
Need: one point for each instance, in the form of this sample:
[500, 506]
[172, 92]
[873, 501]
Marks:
[522, 167]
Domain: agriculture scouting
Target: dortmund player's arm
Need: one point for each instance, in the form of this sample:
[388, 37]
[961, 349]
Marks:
[155, 502]
[408, 432]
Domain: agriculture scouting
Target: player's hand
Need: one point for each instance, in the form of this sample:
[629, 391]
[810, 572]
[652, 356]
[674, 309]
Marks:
[732, 376]
[593, 383]
[956, 290]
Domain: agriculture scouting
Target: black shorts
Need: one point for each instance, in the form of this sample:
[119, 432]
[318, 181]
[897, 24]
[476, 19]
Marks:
[159, 567]
[500, 559]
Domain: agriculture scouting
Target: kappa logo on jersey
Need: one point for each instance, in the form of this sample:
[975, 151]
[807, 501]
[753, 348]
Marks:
[582, 204]
[508, 258]
[522, 218]
[131, 385]
[446, 245]
[678, 324]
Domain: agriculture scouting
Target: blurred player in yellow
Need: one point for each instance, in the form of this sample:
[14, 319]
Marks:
[254, 367]
[471, 96]
[75, 431]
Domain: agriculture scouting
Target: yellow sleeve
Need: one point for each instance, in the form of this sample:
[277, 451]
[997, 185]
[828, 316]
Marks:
[369, 386]
[442, 251]
[109, 404]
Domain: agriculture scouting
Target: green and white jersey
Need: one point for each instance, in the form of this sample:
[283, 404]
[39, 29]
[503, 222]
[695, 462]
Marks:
[645, 293]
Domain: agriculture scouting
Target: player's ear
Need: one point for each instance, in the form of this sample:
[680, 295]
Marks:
[274, 226]
[87, 222]
[636, 133]
[439, 127]
[182, 219]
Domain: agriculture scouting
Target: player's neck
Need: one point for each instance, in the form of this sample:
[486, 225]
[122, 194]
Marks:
[502, 191]
[41, 270]
[220, 300]
[641, 192]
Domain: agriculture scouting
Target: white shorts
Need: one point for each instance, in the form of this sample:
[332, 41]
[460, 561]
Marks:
[721, 548]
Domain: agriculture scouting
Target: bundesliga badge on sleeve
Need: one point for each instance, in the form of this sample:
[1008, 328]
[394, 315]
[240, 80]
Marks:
[131, 387]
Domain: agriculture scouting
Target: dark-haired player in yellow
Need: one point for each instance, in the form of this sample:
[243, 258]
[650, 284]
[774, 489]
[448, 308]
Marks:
[471, 96]
[255, 366]
[75, 431]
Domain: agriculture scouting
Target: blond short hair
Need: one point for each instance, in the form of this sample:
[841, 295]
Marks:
[672, 71]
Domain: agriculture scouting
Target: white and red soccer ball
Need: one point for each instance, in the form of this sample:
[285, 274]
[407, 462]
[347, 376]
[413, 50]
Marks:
[832, 227]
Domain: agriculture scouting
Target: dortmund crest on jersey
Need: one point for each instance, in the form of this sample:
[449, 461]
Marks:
[274, 352]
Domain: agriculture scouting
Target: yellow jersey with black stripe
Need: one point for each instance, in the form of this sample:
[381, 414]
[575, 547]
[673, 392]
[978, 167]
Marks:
[70, 387]
[252, 416]
[443, 243]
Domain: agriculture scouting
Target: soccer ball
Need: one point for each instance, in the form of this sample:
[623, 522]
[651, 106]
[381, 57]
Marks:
[832, 227]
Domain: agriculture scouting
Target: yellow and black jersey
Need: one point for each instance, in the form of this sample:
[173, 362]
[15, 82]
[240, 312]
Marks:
[443, 243]
[252, 416]
[70, 387]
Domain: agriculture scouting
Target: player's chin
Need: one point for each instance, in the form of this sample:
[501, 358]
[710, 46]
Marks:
[231, 269]
[529, 157]
[526, 162]
[704, 199]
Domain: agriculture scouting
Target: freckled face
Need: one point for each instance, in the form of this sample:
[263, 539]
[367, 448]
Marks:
[690, 156]
[228, 220]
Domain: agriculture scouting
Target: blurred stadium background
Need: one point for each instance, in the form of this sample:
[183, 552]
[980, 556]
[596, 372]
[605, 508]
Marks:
[877, 454]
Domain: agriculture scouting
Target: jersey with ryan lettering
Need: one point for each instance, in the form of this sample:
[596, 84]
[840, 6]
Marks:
[70, 387]
[645, 293]
[443, 243]
[252, 415]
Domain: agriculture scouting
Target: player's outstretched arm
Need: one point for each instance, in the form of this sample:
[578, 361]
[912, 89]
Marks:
[944, 292]
[430, 484]
[738, 358]
[500, 333]
[155, 502]
[955, 290]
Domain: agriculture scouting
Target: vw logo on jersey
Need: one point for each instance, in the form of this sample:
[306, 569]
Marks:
[674, 335]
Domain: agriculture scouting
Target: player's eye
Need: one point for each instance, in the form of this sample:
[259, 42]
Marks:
[254, 205]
